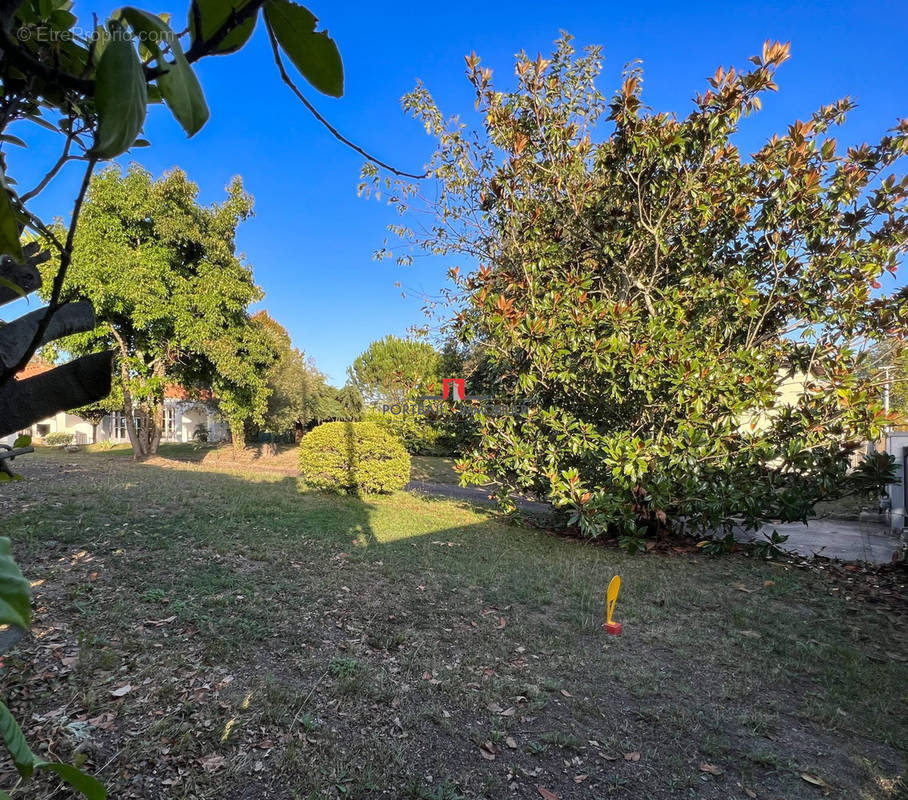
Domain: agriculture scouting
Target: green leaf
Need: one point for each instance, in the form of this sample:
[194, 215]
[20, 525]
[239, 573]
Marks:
[179, 85]
[14, 603]
[78, 780]
[315, 55]
[13, 287]
[214, 13]
[9, 232]
[22, 755]
[27, 762]
[120, 95]
[22, 441]
[183, 94]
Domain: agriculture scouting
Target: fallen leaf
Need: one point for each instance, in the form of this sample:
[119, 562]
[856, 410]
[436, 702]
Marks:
[580, 778]
[751, 634]
[509, 712]
[213, 762]
[635, 756]
[157, 623]
[767, 584]
[566, 693]
[510, 742]
[121, 691]
[815, 780]
[489, 750]
[545, 793]
[742, 588]
[750, 793]
[502, 624]
[712, 769]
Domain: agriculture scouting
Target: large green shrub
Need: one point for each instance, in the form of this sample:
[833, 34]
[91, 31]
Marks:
[419, 435]
[649, 289]
[357, 457]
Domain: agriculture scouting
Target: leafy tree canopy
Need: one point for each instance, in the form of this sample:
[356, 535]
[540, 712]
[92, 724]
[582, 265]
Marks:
[649, 287]
[170, 295]
[392, 369]
[299, 393]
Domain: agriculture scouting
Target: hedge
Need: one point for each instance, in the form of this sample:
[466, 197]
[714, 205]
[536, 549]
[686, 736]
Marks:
[356, 457]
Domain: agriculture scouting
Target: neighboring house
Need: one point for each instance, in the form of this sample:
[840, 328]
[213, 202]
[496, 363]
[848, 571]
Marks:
[183, 416]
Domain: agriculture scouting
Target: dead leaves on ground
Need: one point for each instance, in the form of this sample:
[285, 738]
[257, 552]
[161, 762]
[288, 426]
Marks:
[816, 780]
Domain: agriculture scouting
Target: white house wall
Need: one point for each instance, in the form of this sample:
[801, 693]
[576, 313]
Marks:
[188, 416]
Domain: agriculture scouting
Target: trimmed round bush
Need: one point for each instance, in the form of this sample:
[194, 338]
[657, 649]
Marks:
[356, 457]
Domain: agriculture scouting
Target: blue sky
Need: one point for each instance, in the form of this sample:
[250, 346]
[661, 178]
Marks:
[311, 241]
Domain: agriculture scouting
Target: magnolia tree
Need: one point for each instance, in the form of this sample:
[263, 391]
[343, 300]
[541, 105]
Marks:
[649, 288]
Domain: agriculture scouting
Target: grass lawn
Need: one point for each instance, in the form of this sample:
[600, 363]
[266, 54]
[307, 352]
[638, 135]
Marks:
[434, 469]
[215, 634]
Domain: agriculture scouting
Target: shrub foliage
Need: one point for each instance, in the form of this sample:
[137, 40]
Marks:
[356, 457]
[59, 439]
[649, 287]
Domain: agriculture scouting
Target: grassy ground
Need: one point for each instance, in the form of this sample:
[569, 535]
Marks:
[434, 469]
[215, 634]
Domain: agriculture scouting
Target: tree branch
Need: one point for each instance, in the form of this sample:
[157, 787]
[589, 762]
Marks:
[331, 129]
[59, 278]
[78, 383]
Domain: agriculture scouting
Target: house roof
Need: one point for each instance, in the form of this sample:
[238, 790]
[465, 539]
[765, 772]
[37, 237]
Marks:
[34, 367]
[173, 391]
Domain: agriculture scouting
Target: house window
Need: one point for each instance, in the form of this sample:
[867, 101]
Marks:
[118, 426]
[170, 422]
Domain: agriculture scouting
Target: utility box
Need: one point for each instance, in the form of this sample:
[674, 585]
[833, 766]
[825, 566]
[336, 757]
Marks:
[897, 445]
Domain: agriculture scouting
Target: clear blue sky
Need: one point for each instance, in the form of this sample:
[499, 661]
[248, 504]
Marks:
[311, 241]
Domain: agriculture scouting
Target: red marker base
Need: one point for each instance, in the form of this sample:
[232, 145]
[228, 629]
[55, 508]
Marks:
[613, 628]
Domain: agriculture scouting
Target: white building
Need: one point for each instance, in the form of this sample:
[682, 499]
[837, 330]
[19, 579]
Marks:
[185, 419]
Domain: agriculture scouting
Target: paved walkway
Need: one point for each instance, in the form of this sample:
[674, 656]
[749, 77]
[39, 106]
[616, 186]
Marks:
[848, 540]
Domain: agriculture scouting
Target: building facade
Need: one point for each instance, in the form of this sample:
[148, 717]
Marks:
[186, 419]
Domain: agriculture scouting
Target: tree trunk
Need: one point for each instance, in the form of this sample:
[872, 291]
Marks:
[129, 413]
[238, 437]
[94, 432]
[157, 427]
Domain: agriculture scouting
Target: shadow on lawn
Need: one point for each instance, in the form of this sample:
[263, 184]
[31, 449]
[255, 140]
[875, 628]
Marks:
[737, 688]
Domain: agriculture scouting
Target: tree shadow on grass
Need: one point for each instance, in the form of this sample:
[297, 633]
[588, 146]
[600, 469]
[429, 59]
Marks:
[239, 548]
